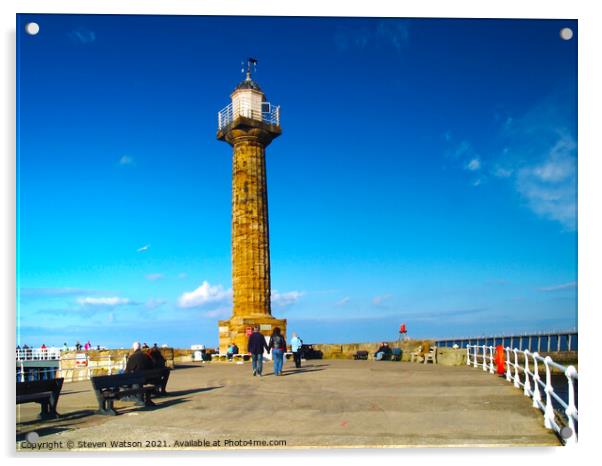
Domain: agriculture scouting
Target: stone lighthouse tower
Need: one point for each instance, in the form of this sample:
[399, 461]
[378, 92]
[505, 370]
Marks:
[249, 124]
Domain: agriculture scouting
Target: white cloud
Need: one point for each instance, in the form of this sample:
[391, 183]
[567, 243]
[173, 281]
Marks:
[393, 33]
[473, 165]
[343, 301]
[154, 303]
[285, 299]
[537, 154]
[82, 35]
[550, 186]
[502, 172]
[108, 301]
[144, 248]
[204, 295]
[126, 160]
[379, 300]
[154, 276]
[564, 286]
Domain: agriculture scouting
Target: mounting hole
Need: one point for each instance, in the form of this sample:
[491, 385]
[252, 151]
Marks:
[32, 437]
[566, 433]
[32, 28]
[566, 33]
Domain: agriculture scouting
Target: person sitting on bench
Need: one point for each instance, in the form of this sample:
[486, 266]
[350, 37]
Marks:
[384, 352]
[138, 360]
[156, 357]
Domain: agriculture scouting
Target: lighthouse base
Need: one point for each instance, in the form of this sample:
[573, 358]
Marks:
[236, 330]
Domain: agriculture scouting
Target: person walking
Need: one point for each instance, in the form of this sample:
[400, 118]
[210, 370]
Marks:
[296, 344]
[256, 346]
[278, 345]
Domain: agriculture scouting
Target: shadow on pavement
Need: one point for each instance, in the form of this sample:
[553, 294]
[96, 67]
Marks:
[42, 432]
[191, 391]
[300, 371]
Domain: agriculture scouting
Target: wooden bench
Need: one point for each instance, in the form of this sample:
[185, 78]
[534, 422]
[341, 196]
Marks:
[109, 388]
[158, 378]
[45, 392]
[360, 355]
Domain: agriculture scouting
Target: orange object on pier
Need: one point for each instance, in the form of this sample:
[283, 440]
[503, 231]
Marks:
[500, 359]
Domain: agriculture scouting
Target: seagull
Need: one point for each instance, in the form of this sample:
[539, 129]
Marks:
[143, 248]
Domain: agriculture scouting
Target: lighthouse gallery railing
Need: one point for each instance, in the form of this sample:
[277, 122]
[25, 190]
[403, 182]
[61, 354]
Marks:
[269, 114]
[531, 383]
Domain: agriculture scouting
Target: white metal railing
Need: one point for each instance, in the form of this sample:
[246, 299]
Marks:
[269, 114]
[531, 383]
[38, 354]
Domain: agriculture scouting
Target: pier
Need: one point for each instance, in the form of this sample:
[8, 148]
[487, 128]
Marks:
[328, 403]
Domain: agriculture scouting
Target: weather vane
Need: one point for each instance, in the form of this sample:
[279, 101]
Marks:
[251, 63]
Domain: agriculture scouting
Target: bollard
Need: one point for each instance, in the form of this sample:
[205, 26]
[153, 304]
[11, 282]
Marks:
[499, 359]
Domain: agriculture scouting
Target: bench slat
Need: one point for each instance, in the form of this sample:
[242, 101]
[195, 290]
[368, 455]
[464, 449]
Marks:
[33, 397]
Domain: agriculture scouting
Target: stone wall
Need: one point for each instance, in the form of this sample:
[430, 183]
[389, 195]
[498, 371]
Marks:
[100, 362]
[445, 356]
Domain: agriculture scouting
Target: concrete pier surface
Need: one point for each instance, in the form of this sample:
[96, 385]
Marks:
[326, 403]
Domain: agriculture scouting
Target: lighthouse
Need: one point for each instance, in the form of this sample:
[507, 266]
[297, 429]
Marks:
[249, 124]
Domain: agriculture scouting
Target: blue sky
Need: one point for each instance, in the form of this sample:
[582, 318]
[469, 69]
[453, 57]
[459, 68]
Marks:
[427, 174]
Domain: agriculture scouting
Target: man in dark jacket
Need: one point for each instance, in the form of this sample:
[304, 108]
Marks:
[256, 346]
[138, 360]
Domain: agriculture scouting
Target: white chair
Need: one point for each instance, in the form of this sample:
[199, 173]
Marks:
[415, 355]
[431, 356]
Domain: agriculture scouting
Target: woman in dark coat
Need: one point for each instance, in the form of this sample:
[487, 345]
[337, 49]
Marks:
[278, 346]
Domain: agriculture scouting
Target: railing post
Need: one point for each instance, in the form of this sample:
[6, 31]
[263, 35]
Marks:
[484, 358]
[88, 367]
[508, 373]
[527, 388]
[22, 372]
[468, 355]
[491, 370]
[516, 379]
[474, 363]
[549, 411]
[110, 366]
[536, 394]
[571, 409]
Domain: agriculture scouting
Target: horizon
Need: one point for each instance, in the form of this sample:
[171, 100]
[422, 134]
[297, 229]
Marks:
[426, 175]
